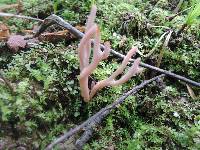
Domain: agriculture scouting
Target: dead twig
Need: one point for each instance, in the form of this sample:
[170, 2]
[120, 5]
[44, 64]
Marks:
[176, 10]
[19, 16]
[54, 19]
[153, 26]
[170, 18]
[97, 118]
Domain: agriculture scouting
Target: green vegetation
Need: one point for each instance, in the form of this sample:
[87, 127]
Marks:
[193, 14]
[46, 100]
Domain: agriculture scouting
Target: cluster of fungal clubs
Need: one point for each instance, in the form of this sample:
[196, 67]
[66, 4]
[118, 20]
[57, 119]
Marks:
[86, 67]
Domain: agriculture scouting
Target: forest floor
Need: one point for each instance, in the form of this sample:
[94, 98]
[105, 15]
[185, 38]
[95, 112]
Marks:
[40, 96]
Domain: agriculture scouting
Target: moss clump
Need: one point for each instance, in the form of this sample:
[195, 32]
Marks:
[47, 100]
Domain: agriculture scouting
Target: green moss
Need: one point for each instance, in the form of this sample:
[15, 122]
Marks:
[47, 98]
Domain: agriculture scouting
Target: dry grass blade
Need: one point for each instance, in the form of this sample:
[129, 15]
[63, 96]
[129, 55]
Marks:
[191, 92]
[163, 48]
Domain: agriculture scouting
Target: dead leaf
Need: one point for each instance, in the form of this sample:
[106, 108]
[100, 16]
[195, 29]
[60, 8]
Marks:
[15, 42]
[4, 32]
[191, 92]
[54, 37]
[80, 28]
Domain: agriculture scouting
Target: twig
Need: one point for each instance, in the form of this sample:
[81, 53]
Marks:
[183, 27]
[84, 138]
[178, 6]
[153, 26]
[98, 117]
[54, 19]
[19, 16]
[170, 18]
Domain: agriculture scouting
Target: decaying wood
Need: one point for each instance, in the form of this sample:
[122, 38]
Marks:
[54, 19]
[97, 118]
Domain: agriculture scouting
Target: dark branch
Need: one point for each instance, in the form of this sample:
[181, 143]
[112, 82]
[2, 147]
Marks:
[98, 117]
[84, 138]
[53, 19]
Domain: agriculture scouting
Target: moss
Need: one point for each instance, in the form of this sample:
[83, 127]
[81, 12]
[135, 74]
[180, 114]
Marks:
[47, 98]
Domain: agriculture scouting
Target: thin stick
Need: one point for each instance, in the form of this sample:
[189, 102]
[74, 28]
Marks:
[19, 16]
[98, 117]
[54, 19]
[170, 18]
[178, 6]
[153, 26]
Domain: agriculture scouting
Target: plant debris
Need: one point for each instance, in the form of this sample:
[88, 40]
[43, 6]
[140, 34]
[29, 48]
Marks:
[4, 32]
